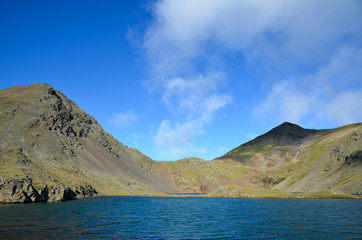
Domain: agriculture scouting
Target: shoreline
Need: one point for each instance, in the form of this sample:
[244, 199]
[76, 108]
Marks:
[196, 196]
[206, 195]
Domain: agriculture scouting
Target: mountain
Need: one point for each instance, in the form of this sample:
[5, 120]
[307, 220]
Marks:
[274, 147]
[333, 162]
[50, 149]
[293, 159]
[287, 161]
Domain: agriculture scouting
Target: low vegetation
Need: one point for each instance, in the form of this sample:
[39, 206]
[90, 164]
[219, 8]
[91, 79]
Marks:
[52, 150]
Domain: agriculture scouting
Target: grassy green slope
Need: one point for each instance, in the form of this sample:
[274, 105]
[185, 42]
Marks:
[194, 175]
[333, 163]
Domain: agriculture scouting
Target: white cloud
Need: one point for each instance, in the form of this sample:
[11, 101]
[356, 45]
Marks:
[123, 119]
[317, 44]
[342, 71]
[332, 94]
[198, 99]
[168, 136]
[284, 103]
[279, 31]
[176, 141]
[346, 107]
[197, 96]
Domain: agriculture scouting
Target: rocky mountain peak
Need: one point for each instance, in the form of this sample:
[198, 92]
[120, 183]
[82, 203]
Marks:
[285, 136]
[289, 132]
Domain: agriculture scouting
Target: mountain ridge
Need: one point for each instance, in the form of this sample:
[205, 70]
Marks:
[52, 150]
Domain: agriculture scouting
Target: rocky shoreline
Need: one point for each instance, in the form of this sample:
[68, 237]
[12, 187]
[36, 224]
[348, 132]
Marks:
[23, 191]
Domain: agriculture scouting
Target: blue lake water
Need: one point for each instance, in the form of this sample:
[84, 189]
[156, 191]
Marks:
[183, 218]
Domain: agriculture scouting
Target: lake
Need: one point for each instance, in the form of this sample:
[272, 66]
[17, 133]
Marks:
[184, 218]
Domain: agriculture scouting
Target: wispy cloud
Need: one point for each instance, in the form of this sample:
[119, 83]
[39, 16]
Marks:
[285, 102]
[176, 141]
[346, 107]
[197, 96]
[331, 94]
[199, 101]
[123, 119]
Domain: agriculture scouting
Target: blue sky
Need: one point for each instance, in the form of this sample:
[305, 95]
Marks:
[177, 79]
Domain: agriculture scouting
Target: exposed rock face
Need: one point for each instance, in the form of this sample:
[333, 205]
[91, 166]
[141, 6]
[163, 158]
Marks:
[273, 179]
[22, 191]
[350, 153]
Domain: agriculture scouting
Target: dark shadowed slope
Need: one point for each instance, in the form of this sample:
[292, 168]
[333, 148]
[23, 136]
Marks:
[288, 134]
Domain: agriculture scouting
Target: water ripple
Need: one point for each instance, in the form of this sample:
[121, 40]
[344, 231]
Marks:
[183, 218]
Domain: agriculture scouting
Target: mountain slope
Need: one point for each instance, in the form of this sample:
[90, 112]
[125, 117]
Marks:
[51, 150]
[47, 139]
[195, 175]
[288, 159]
[332, 163]
[273, 148]
[295, 159]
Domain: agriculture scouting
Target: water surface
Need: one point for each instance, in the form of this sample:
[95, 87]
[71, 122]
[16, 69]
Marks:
[183, 218]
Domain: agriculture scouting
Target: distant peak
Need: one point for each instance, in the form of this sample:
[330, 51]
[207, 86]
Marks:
[286, 127]
[288, 124]
[288, 131]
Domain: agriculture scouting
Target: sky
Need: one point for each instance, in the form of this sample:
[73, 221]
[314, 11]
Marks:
[191, 78]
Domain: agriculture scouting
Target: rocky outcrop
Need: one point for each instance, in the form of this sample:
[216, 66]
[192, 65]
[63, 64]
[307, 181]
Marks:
[23, 191]
[67, 193]
[272, 180]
